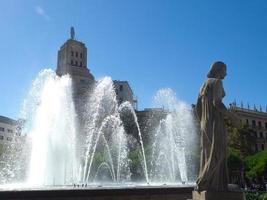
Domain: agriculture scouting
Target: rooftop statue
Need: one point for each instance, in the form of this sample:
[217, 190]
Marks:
[213, 174]
[72, 33]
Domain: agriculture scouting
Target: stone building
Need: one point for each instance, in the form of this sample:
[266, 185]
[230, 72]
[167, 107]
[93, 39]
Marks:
[124, 92]
[256, 121]
[72, 60]
[149, 119]
[9, 129]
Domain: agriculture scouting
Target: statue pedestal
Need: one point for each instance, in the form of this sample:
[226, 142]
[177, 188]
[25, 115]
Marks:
[211, 195]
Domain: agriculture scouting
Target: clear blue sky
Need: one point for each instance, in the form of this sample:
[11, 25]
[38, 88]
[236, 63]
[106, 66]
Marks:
[150, 43]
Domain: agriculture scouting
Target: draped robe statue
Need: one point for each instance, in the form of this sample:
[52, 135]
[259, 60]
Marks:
[213, 175]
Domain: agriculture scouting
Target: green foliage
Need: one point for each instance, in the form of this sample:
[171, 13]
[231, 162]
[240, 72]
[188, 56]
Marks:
[256, 195]
[239, 139]
[263, 196]
[134, 156]
[255, 165]
[235, 161]
[99, 158]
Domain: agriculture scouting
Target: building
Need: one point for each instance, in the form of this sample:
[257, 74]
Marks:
[124, 92]
[256, 121]
[149, 119]
[72, 60]
[9, 129]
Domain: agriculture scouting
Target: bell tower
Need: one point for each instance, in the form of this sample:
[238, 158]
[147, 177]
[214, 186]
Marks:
[72, 60]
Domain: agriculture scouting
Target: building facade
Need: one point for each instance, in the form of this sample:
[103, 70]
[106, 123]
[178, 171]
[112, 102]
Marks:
[256, 121]
[9, 129]
[124, 92]
[72, 60]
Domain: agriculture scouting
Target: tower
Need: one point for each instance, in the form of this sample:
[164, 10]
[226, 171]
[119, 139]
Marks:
[72, 60]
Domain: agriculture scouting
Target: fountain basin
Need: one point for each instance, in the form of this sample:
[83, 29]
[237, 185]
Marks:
[100, 193]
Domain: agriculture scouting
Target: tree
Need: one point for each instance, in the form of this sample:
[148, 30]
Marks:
[239, 147]
[240, 140]
[256, 165]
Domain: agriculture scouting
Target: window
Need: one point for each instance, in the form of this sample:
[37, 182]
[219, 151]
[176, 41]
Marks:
[261, 134]
[81, 64]
[9, 138]
[9, 131]
[121, 87]
[81, 55]
[71, 62]
[262, 146]
[255, 134]
[247, 121]
[76, 54]
[76, 63]
[256, 147]
[2, 129]
[72, 53]
[253, 123]
[259, 124]
[265, 125]
[1, 137]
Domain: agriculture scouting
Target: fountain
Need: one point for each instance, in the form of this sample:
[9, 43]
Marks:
[59, 154]
[57, 158]
[172, 141]
[105, 134]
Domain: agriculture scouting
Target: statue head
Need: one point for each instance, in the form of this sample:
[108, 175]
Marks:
[217, 70]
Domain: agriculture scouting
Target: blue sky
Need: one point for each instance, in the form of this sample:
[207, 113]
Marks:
[151, 43]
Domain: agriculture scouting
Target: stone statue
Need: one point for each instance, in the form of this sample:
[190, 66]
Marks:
[72, 33]
[213, 175]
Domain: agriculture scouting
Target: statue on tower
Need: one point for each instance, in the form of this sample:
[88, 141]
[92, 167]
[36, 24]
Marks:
[72, 33]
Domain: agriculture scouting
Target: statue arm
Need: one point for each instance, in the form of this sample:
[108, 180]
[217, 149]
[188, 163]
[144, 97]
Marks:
[221, 107]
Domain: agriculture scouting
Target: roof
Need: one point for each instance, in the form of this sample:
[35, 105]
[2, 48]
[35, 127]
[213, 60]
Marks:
[8, 120]
[123, 82]
[250, 112]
